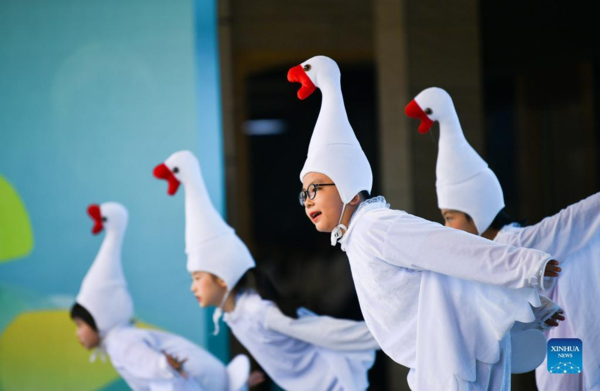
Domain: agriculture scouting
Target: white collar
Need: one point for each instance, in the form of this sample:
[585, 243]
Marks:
[378, 202]
[237, 311]
[508, 228]
[101, 349]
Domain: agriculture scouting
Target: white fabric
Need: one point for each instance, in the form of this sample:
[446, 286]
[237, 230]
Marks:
[527, 339]
[489, 377]
[324, 331]
[572, 236]
[137, 355]
[577, 290]
[562, 234]
[458, 327]
[334, 149]
[211, 245]
[104, 289]
[542, 314]
[291, 356]
[464, 181]
[238, 371]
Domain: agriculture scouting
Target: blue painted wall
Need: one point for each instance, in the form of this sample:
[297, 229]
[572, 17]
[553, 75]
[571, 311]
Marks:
[93, 95]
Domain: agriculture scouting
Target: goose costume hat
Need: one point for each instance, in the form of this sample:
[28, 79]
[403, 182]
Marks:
[334, 149]
[211, 244]
[104, 289]
[464, 181]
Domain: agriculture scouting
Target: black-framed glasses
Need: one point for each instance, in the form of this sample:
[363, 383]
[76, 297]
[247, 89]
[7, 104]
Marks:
[311, 192]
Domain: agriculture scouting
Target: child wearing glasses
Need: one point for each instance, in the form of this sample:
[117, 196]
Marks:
[296, 348]
[437, 300]
[471, 199]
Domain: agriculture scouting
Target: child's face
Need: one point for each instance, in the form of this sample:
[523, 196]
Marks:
[87, 336]
[459, 220]
[208, 289]
[326, 208]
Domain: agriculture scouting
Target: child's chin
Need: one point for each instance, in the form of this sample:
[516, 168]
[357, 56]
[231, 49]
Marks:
[323, 228]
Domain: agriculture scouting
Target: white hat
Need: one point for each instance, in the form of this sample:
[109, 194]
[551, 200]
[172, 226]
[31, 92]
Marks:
[210, 244]
[104, 289]
[334, 149]
[464, 181]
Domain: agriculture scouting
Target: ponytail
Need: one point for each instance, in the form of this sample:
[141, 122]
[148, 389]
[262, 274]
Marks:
[262, 284]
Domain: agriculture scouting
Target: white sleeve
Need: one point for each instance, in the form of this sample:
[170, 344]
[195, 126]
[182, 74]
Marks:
[563, 234]
[542, 314]
[323, 331]
[143, 361]
[415, 243]
[164, 385]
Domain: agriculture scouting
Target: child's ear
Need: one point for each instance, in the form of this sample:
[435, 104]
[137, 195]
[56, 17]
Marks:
[355, 201]
[221, 283]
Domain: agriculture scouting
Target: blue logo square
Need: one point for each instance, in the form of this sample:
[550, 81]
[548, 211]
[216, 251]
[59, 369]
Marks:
[565, 356]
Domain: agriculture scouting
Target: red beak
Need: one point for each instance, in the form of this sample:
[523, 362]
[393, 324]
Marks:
[162, 172]
[297, 75]
[94, 212]
[413, 110]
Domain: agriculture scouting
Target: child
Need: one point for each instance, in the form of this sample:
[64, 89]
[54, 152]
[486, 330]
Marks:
[471, 199]
[452, 333]
[146, 359]
[300, 351]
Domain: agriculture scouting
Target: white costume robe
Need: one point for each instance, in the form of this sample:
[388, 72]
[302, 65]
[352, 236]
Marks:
[137, 356]
[571, 235]
[451, 332]
[309, 353]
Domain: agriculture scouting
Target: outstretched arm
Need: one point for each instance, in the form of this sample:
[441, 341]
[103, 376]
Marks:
[144, 362]
[563, 234]
[324, 331]
[415, 243]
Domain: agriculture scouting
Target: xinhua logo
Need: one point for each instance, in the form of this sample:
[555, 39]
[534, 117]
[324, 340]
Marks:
[565, 356]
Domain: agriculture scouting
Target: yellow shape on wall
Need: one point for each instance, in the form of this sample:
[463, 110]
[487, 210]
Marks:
[16, 235]
[39, 351]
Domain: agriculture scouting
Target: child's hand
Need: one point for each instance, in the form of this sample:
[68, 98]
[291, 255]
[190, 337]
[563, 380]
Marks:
[553, 320]
[176, 364]
[552, 269]
[255, 378]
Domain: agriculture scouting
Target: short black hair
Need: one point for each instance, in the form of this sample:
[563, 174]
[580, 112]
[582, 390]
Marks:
[79, 311]
[363, 195]
[503, 219]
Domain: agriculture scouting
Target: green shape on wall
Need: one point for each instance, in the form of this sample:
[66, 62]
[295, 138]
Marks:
[16, 235]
